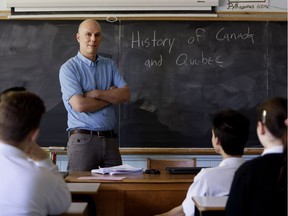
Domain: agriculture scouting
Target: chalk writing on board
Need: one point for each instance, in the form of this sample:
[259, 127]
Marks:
[179, 78]
[222, 36]
[155, 39]
[151, 41]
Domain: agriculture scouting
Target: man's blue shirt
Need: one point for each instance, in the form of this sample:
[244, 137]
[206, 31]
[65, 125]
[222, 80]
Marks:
[79, 75]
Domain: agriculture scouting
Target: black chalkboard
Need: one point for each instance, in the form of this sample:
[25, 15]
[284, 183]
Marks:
[180, 72]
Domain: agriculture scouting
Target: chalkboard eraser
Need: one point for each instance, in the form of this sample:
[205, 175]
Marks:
[57, 148]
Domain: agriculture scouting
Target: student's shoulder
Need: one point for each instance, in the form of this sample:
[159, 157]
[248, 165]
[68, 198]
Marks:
[257, 165]
[37, 174]
[209, 171]
[45, 175]
[260, 160]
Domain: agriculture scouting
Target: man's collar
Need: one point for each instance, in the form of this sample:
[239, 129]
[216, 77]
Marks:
[87, 61]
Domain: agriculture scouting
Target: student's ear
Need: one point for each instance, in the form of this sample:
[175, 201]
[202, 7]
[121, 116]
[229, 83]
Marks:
[34, 134]
[261, 128]
[217, 141]
[217, 145]
[286, 121]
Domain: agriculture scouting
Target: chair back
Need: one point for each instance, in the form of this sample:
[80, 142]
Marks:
[161, 164]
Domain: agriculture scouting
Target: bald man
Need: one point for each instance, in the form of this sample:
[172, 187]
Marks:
[91, 84]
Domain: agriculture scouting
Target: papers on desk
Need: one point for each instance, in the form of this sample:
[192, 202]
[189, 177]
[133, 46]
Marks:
[118, 170]
[102, 178]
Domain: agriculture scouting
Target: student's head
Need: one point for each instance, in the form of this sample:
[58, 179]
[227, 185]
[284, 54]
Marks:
[231, 129]
[12, 89]
[273, 114]
[20, 114]
[89, 37]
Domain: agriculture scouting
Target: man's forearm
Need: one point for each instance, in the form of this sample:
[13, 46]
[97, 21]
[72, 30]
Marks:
[113, 95]
[85, 104]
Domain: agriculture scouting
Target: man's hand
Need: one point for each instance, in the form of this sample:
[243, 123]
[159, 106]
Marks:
[113, 95]
[97, 93]
[113, 87]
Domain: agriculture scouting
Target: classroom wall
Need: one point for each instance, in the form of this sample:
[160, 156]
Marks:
[3, 5]
[273, 5]
[140, 160]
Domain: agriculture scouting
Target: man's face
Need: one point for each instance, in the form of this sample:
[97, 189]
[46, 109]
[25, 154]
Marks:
[89, 37]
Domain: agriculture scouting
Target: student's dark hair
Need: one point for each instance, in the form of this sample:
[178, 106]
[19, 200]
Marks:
[273, 114]
[20, 113]
[13, 89]
[232, 129]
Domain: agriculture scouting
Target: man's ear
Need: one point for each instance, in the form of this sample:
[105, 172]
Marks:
[77, 37]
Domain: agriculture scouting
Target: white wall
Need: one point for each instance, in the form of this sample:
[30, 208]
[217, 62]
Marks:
[273, 5]
[3, 5]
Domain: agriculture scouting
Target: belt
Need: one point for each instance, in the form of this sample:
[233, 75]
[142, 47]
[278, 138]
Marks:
[107, 134]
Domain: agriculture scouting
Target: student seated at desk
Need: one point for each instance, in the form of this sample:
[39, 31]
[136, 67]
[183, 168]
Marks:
[260, 185]
[30, 182]
[229, 135]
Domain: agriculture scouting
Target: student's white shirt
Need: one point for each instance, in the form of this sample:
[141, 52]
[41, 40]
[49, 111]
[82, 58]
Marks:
[214, 181]
[29, 188]
[273, 150]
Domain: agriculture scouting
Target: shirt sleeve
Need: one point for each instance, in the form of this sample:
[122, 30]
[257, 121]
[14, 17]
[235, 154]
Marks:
[118, 79]
[197, 188]
[61, 199]
[69, 82]
[58, 196]
[47, 163]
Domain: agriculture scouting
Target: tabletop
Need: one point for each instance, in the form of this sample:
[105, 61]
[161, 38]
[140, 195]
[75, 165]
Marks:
[209, 203]
[132, 178]
[83, 188]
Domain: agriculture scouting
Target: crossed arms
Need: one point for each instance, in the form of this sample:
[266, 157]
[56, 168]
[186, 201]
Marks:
[97, 99]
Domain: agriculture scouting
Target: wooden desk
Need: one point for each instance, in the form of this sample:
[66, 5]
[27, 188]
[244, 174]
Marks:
[83, 188]
[76, 209]
[140, 194]
[85, 192]
[207, 205]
